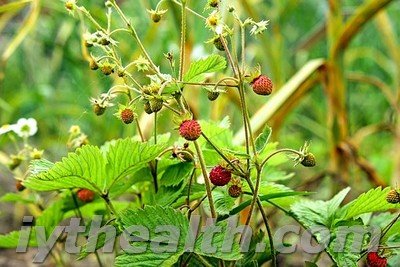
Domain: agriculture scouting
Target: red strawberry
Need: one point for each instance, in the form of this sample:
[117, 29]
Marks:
[262, 85]
[85, 195]
[220, 176]
[374, 260]
[127, 115]
[190, 130]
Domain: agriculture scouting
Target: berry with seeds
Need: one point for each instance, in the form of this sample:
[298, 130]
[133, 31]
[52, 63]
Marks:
[308, 160]
[235, 191]
[127, 116]
[220, 176]
[393, 197]
[190, 130]
[374, 260]
[85, 195]
[262, 85]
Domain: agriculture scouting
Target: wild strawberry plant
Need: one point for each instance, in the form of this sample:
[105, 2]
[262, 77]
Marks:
[193, 172]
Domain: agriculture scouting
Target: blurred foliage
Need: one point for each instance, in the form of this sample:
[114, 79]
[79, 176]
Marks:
[46, 76]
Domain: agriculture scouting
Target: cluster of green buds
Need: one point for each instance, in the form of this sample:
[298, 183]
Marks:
[97, 38]
[153, 101]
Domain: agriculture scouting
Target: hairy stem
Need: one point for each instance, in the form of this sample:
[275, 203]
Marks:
[206, 179]
[183, 40]
[137, 39]
[265, 219]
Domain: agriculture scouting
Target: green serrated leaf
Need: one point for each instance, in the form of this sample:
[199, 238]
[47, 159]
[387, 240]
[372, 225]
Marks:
[92, 168]
[84, 168]
[222, 201]
[344, 253]
[11, 240]
[174, 174]
[318, 212]
[126, 157]
[372, 201]
[152, 217]
[263, 138]
[213, 247]
[198, 68]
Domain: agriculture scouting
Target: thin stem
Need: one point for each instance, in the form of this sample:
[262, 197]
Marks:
[190, 187]
[206, 179]
[89, 16]
[139, 130]
[243, 46]
[79, 213]
[137, 39]
[183, 39]
[219, 151]
[246, 130]
[283, 150]
[190, 10]
[155, 128]
[229, 55]
[171, 108]
[110, 205]
[265, 219]
[255, 196]
[200, 201]
[154, 167]
[202, 260]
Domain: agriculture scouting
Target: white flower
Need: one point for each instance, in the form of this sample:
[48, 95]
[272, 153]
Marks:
[25, 127]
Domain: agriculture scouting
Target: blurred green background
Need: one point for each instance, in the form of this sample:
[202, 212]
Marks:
[47, 78]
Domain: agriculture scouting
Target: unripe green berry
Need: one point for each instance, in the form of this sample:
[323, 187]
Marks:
[156, 104]
[147, 107]
[309, 160]
[212, 95]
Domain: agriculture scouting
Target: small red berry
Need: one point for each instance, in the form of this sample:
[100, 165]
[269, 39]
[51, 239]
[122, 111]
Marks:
[190, 130]
[85, 195]
[20, 187]
[220, 176]
[127, 116]
[374, 260]
[262, 85]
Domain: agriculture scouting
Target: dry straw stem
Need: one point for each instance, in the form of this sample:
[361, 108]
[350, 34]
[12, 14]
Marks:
[280, 98]
[356, 22]
[24, 29]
